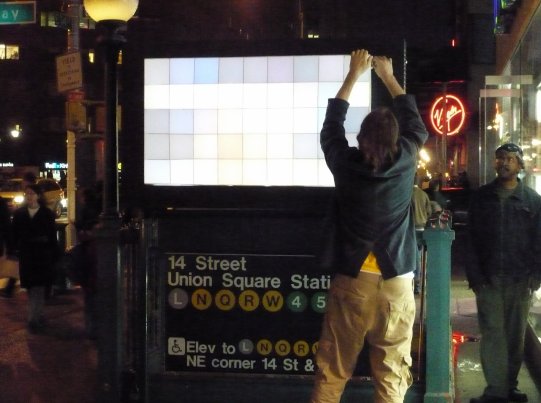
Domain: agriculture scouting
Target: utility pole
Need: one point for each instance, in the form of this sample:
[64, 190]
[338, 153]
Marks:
[300, 17]
[445, 130]
[74, 13]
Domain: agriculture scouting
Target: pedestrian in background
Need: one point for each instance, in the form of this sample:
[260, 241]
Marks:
[5, 233]
[439, 202]
[374, 239]
[28, 178]
[35, 243]
[422, 210]
[503, 269]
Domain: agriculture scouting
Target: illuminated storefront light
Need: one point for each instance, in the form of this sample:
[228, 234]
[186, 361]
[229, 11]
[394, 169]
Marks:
[538, 104]
[498, 123]
[423, 154]
[447, 115]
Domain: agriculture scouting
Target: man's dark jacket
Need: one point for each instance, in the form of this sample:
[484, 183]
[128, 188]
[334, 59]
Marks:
[373, 208]
[504, 238]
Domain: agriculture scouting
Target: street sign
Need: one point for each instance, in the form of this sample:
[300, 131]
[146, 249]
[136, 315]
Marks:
[17, 12]
[69, 73]
[268, 309]
[76, 96]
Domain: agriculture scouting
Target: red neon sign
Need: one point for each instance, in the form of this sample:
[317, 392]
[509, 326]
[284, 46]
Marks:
[455, 116]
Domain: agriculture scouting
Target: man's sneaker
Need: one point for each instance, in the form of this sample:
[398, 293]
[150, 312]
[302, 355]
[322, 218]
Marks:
[516, 395]
[488, 399]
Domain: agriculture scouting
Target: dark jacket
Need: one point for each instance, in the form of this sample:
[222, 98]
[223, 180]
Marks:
[373, 208]
[437, 196]
[504, 238]
[36, 246]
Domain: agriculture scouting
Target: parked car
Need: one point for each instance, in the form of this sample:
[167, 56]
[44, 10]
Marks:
[458, 200]
[12, 191]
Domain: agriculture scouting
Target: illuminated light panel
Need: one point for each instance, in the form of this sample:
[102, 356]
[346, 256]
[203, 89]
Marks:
[243, 120]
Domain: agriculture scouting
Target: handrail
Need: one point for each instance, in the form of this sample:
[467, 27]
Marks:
[439, 360]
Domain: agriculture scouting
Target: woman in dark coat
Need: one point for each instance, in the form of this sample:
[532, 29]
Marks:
[34, 237]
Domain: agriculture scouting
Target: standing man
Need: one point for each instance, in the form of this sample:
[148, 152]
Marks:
[371, 296]
[503, 269]
[422, 210]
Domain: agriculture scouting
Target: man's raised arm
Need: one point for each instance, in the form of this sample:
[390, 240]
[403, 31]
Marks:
[383, 66]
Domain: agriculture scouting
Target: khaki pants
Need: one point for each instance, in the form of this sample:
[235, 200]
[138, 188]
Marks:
[380, 312]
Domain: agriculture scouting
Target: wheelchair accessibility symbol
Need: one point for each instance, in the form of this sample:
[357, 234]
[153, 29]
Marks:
[176, 346]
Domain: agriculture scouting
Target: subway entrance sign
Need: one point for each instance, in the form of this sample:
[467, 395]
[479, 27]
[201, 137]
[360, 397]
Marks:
[241, 292]
[245, 313]
[17, 12]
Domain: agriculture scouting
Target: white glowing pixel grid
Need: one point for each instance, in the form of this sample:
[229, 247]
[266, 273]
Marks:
[243, 120]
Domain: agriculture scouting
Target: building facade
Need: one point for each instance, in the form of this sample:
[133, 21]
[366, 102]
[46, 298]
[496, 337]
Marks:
[511, 108]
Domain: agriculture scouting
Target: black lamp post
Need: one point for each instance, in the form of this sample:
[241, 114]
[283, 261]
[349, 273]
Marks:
[111, 17]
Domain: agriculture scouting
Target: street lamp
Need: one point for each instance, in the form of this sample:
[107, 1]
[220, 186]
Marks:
[16, 131]
[117, 10]
[111, 17]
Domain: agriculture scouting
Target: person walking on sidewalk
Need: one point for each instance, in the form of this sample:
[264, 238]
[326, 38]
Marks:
[374, 239]
[34, 238]
[5, 232]
[5, 221]
[503, 269]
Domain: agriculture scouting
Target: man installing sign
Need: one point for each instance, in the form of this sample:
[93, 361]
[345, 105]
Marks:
[374, 249]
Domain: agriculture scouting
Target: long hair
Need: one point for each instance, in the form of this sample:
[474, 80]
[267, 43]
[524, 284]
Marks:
[378, 138]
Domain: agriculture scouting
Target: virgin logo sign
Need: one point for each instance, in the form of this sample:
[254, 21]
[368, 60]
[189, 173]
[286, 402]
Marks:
[447, 115]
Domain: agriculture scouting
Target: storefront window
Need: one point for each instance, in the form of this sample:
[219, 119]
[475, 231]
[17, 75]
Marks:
[526, 113]
[9, 52]
[510, 111]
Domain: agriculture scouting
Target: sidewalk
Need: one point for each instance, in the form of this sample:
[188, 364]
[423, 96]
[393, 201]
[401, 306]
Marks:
[469, 378]
[58, 366]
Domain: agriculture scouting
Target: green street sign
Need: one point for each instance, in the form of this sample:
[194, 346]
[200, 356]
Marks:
[17, 12]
